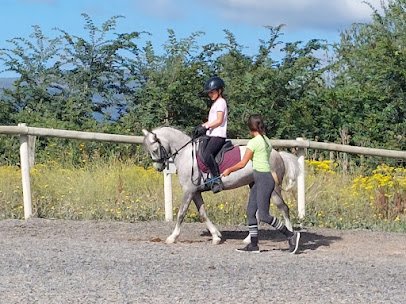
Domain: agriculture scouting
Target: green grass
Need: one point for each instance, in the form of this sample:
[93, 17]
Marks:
[126, 192]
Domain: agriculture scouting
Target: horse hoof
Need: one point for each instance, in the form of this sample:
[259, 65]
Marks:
[170, 240]
[216, 240]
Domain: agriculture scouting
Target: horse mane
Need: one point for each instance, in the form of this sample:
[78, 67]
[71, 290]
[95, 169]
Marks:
[171, 127]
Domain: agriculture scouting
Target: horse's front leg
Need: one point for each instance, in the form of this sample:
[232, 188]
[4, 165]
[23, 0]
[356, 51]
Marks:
[187, 197]
[198, 199]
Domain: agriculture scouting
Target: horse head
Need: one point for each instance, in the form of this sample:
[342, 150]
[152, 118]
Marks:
[157, 149]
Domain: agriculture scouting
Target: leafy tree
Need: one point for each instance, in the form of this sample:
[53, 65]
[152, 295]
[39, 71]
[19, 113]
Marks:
[274, 88]
[29, 99]
[65, 82]
[107, 82]
[93, 80]
[168, 85]
[370, 82]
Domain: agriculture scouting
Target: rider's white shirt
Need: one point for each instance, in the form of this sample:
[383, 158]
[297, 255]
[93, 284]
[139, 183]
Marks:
[220, 105]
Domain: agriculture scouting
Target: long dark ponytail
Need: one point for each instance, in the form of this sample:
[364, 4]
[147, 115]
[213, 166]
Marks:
[256, 124]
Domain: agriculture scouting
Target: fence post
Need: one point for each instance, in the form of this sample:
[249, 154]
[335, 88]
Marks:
[25, 173]
[301, 182]
[168, 190]
[31, 150]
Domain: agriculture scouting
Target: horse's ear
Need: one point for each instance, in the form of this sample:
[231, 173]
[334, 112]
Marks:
[145, 132]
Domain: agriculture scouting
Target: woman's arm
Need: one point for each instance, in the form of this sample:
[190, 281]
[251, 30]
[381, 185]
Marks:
[241, 164]
[215, 123]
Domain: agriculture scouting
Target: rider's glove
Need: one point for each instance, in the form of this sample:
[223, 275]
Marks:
[199, 131]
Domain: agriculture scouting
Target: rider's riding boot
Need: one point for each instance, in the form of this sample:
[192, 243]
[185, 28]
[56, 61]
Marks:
[217, 184]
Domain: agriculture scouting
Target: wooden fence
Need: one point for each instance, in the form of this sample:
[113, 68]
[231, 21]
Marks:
[27, 134]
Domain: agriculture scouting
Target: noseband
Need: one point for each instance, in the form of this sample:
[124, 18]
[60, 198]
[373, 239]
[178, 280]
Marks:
[163, 154]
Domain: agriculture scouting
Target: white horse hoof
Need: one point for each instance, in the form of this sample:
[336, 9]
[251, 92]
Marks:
[216, 240]
[247, 240]
[170, 240]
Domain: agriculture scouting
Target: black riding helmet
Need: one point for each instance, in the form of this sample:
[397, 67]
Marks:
[214, 83]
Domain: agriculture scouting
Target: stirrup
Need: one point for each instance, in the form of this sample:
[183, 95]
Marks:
[217, 186]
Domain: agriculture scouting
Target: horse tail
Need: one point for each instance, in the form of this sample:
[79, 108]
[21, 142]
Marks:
[292, 169]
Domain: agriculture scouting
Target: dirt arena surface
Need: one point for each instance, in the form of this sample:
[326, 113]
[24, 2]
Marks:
[59, 261]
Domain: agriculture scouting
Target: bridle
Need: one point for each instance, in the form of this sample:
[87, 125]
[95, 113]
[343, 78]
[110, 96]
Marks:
[164, 155]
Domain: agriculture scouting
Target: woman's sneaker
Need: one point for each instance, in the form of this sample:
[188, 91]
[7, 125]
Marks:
[293, 242]
[249, 248]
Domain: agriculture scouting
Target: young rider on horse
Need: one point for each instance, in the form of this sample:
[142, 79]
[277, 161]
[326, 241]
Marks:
[259, 150]
[216, 126]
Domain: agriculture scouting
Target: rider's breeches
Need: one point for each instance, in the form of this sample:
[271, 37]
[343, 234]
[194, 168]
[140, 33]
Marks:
[213, 146]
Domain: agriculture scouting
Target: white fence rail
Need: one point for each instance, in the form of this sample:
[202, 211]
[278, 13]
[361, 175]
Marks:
[28, 133]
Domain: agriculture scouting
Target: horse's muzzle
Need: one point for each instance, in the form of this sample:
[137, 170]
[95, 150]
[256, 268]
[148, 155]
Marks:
[159, 166]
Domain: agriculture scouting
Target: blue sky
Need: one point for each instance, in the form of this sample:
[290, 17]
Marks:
[304, 19]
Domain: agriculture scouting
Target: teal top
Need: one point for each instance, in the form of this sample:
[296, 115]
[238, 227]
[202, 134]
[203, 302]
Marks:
[262, 151]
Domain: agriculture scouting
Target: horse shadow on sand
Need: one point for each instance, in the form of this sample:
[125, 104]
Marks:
[308, 240]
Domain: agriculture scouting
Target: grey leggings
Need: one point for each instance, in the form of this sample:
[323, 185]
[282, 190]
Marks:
[259, 199]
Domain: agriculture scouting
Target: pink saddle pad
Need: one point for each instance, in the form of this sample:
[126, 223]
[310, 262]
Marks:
[231, 157]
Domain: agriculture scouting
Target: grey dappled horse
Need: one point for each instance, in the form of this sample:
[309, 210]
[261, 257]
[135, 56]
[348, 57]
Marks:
[165, 142]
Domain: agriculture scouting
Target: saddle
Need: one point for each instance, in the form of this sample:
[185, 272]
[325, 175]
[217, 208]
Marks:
[228, 155]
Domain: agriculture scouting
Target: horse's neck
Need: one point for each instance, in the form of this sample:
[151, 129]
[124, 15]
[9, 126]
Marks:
[175, 138]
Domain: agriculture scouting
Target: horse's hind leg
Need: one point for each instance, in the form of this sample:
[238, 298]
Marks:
[280, 203]
[197, 198]
[187, 197]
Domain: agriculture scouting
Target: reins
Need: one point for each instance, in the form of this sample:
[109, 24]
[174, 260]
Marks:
[164, 155]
